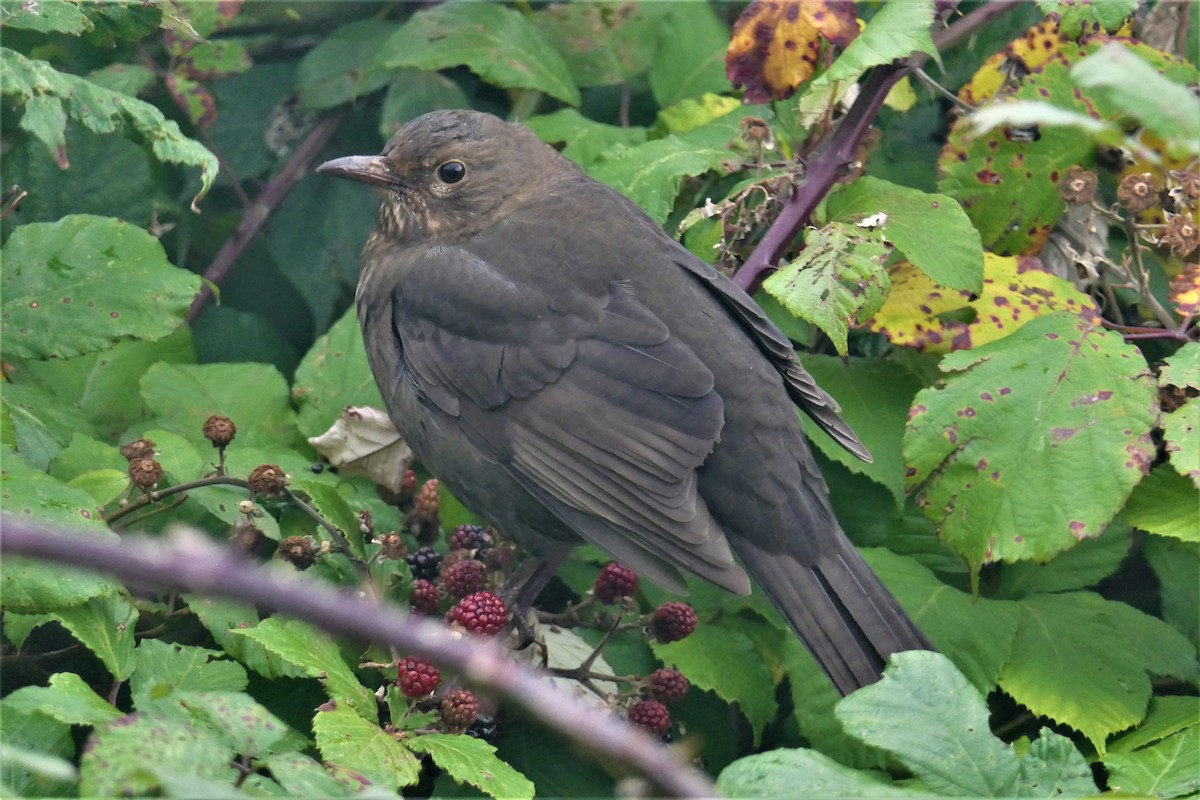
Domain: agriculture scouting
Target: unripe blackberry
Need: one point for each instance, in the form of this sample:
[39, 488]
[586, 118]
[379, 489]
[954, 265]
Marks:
[463, 578]
[428, 503]
[268, 479]
[672, 622]
[417, 677]
[424, 563]
[219, 430]
[482, 613]
[297, 551]
[470, 537]
[145, 472]
[652, 716]
[408, 487]
[459, 710]
[424, 598]
[668, 685]
[615, 582]
[138, 448]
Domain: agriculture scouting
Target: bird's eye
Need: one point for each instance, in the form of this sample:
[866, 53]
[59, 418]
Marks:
[452, 171]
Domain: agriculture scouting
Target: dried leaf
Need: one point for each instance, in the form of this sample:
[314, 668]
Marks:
[363, 440]
[776, 43]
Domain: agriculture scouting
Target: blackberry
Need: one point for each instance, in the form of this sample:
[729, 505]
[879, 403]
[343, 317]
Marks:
[668, 685]
[614, 582]
[417, 677]
[463, 578]
[459, 710]
[652, 716]
[470, 537]
[672, 622]
[482, 613]
[424, 598]
[425, 563]
[486, 728]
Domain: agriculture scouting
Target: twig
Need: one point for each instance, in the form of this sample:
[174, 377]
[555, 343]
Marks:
[261, 209]
[153, 497]
[189, 560]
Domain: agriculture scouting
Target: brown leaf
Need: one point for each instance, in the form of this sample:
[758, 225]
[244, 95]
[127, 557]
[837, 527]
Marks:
[1185, 291]
[363, 440]
[776, 43]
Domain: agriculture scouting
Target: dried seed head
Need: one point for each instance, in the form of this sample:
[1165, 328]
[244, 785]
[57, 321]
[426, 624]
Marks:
[219, 430]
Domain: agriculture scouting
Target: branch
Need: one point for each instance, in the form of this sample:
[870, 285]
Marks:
[260, 210]
[189, 560]
[830, 162]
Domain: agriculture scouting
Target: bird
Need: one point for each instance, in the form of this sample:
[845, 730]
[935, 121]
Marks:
[574, 374]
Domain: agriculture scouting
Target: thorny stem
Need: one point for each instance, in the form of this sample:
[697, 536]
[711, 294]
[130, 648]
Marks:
[341, 545]
[158, 494]
[829, 163]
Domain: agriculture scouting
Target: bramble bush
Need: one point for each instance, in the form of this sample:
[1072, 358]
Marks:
[979, 222]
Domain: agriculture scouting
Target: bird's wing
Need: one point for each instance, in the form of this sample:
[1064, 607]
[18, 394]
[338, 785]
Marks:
[582, 394]
[803, 389]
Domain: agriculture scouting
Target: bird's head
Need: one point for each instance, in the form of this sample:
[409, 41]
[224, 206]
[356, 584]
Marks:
[449, 174]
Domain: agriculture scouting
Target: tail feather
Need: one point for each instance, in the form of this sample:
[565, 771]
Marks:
[840, 610]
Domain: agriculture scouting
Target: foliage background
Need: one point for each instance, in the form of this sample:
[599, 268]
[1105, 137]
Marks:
[1033, 498]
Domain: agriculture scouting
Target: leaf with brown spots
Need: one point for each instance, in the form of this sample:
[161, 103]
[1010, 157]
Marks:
[1034, 442]
[1181, 434]
[921, 314]
[776, 44]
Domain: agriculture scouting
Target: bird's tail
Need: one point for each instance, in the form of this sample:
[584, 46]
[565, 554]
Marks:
[840, 610]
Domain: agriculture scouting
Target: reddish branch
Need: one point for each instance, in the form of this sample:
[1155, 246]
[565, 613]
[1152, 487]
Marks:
[829, 163]
[260, 210]
[191, 561]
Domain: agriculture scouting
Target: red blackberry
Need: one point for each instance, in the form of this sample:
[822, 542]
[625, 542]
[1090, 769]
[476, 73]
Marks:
[482, 613]
[615, 582]
[651, 716]
[463, 578]
[424, 563]
[428, 503]
[470, 537]
[669, 685]
[459, 710]
[672, 622]
[417, 677]
[408, 487]
[424, 598]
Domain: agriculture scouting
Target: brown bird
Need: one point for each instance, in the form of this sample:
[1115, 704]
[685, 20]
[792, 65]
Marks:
[572, 372]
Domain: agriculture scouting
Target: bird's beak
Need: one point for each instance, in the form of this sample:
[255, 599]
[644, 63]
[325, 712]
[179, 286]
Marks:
[367, 169]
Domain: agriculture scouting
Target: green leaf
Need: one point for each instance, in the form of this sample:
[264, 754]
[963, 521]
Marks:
[30, 586]
[931, 230]
[1177, 566]
[690, 58]
[237, 720]
[838, 279]
[956, 753]
[413, 92]
[1183, 368]
[121, 758]
[995, 453]
[301, 776]
[43, 424]
[318, 657]
[67, 699]
[222, 619]
[347, 740]
[1081, 18]
[1163, 106]
[42, 735]
[803, 774]
[650, 174]
[1068, 664]
[977, 633]
[164, 668]
[1165, 503]
[105, 625]
[1181, 431]
[1164, 651]
[1168, 715]
[46, 16]
[499, 44]
[473, 762]
[334, 374]
[1085, 564]
[1165, 769]
[896, 31]
[104, 485]
[254, 396]
[584, 139]
[102, 111]
[704, 659]
[331, 505]
[342, 67]
[603, 44]
[85, 282]
[85, 454]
